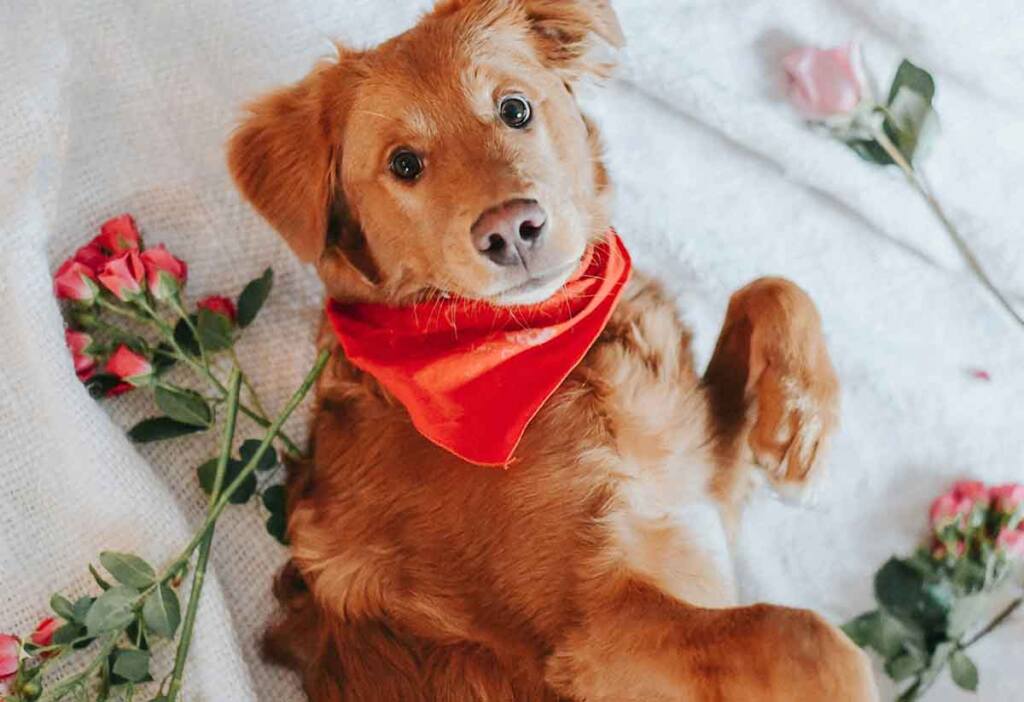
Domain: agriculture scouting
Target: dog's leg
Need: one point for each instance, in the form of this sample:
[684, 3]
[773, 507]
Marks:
[773, 393]
[640, 645]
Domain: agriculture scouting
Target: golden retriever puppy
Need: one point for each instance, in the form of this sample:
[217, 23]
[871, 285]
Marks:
[452, 162]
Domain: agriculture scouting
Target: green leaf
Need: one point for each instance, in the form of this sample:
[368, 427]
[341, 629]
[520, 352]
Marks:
[159, 429]
[861, 629]
[277, 527]
[131, 664]
[185, 338]
[128, 569]
[253, 297]
[112, 610]
[163, 360]
[870, 151]
[82, 605]
[62, 607]
[104, 585]
[912, 78]
[248, 449]
[68, 633]
[963, 670]
[207, 473]
[162, 612]
[214, 330]
[183, 405]
[274, 499]
[903, 666]
[902, 591]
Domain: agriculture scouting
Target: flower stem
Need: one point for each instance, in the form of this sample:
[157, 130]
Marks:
[234, 386]
[972, 261]
[272, 431]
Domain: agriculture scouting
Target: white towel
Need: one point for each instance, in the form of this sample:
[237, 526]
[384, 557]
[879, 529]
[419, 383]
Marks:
[121, 106]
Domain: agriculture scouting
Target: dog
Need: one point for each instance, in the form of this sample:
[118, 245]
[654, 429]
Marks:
[453, 162]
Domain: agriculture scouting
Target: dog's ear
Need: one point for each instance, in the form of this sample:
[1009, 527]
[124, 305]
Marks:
[565, 31]
[284, 157]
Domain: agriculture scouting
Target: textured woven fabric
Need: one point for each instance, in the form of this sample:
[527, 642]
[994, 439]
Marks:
[119, 106]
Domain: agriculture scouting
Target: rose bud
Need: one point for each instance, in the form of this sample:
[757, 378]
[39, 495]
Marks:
[123, 276]
[218, 304]
[165, 274]
[10, 656]
[119, 389]
[948, 509]
[130, 367]
[75, 281]
[1007, 498]
[83, 353]
[43, 635]
[1011, 542]
[973, 490]
[119, 235]
[824, 83]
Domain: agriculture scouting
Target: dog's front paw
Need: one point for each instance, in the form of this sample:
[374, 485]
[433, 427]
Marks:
[794, 388]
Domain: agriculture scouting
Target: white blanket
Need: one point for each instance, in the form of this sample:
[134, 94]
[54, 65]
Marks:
[124, 106]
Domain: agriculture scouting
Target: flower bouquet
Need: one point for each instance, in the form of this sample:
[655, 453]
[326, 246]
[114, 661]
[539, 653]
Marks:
[961, 584]
[128, 328]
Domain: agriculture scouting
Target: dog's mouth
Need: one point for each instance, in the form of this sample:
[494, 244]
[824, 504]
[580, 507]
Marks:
[538, 287]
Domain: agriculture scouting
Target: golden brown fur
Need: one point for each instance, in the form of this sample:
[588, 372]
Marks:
[586, 571]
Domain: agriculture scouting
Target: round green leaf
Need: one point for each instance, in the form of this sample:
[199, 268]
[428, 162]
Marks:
[162, 612]
[965, 673]
[207, 474]
[128, 569]
[278, 528]
[112, 610]
[248, 449]
[131, 665]
[274, 499]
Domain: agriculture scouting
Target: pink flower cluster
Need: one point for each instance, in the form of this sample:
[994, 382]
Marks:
[115, 263]
[971, 507]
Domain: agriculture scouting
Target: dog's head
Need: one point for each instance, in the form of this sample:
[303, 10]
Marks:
[452, 158]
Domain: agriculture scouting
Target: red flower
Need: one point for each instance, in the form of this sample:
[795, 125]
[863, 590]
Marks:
[218, 304]
[75, 281]
[119, 389]
[10, 655]
[130, 366]
[949, 508]
[165, 274]
[123, 275]
[43, 635]
[82, 352]
[1007, 498]
[91, 255]
[973, 490]
[119, 234]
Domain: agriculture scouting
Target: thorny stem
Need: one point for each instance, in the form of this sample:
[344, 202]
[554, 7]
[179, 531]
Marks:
[234, 386]
[972, 261]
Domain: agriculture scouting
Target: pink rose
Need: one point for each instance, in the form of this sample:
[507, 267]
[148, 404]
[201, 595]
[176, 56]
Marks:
[75, 281]
[948, 509]
[130, 367]
[165, 274]
[1012, 542]
[82, 353]
[1007, 498]
[123, 275]
[219, 304]
[10, 656]
[119, 234]
[973, 490]
[824, 83]
[91, 255]
[43, 635]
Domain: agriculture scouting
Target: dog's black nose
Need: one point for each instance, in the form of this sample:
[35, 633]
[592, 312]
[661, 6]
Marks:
[506, 234]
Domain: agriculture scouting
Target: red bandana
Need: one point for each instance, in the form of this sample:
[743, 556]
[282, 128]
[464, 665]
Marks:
[472, 376]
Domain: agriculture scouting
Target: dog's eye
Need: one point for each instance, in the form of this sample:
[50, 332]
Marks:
[406, 165]
[515, 111]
